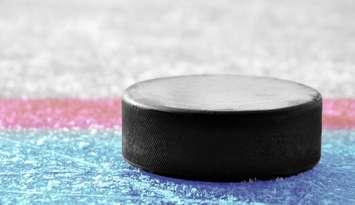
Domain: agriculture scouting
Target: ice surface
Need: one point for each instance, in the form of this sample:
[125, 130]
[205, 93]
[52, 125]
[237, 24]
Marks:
[83, 167]
[96, 48]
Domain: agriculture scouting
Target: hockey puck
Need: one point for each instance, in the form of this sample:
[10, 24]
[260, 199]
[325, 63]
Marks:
[221, 127]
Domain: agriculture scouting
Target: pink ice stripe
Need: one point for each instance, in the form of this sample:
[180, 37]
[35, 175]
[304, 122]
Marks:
[106, 113]
[339, 114]
[60, 113]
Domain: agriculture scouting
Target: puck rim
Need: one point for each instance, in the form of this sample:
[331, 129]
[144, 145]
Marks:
[317, 98]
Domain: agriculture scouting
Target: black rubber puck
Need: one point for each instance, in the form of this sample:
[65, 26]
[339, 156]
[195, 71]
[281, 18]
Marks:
[222, 127]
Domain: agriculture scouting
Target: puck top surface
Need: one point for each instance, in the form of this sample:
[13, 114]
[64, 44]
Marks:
[219, 93]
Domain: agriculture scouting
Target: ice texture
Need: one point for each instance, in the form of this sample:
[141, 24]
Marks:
[96, 48]
[86, 167]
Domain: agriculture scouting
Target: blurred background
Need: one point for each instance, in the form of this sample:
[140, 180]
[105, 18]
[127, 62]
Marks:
[96, 48]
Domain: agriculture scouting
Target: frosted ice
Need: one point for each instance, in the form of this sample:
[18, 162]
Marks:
[61, 170]
[94, 48]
